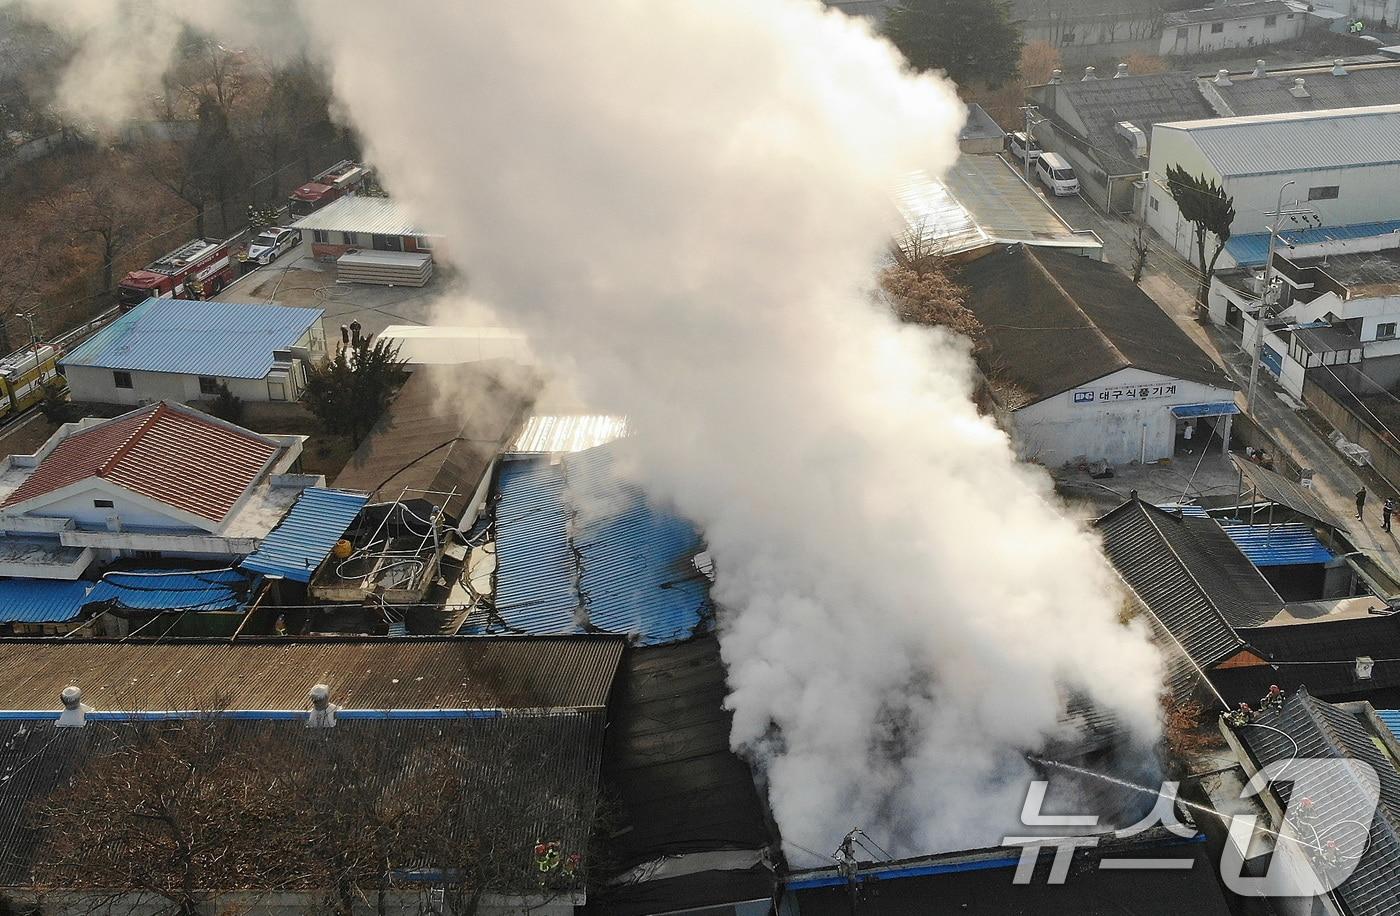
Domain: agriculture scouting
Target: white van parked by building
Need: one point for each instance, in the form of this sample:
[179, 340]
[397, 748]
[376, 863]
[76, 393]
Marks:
[1057, 175]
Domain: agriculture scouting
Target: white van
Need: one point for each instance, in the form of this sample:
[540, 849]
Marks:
[1016, 142]
[1057, 175]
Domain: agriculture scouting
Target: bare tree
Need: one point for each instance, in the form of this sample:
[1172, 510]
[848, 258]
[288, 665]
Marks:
[928, 294]
[1141, 248]
[100, 211]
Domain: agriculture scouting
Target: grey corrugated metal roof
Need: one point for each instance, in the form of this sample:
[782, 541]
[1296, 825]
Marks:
[375, 215]
[222, 339]
[546, 672]
[1306, 731]
[1297, 141]
[1228, 12]
[1375, 84]
[296, 547]
[1152, 551]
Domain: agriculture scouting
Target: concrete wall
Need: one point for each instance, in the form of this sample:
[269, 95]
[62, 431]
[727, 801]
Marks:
[1058, 430]
[87, 383]
[337, 243]
[1197, 38]
[79, 507]
[1330, 400]
[400, 902]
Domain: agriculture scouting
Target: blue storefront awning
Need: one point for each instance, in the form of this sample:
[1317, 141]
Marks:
[1291, 544]
[1217, 409]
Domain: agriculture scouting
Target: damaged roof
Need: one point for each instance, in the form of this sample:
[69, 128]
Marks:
[1098, 319]
[440, 433]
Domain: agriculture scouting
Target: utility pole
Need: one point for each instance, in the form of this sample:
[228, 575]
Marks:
[1030, 121]
[1269, 295]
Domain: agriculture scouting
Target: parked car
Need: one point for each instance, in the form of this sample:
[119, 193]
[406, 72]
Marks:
[1016, 142]
[1057, 175]
[271, 244]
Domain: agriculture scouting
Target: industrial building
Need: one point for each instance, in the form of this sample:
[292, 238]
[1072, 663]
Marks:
[1087, 368]
[1230, 25]
[1344, 163]
[184, 350]
[1104, 127]
[1341, 84]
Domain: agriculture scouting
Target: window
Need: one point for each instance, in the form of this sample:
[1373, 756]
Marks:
[1152, 202]
[209, 386]
[122, 379]
[1289, 16]
[351, 238]
[1270, 21]
[424, 244]
[103, 504]
[1325, 192]
[1385, 330]
[320, 235]
[1216, 28]
[1181, 34]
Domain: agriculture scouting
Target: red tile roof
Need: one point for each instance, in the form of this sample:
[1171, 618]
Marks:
[170, 454]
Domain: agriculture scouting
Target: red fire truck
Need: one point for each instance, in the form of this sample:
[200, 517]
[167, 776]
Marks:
[196, 270]
[332, 184]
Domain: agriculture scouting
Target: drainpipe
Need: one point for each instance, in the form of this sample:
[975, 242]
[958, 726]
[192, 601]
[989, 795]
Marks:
[1142, 452]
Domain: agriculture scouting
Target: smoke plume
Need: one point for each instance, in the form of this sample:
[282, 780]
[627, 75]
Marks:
[684, 202]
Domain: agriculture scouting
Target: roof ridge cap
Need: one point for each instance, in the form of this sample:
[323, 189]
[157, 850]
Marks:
[130, 441]
[1091, 323]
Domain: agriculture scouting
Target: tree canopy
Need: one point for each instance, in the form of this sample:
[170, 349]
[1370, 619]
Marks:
[1210, 211]
[348, 393]
[970, 40]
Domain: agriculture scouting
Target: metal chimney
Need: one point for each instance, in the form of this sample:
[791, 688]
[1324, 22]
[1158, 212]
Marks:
[1337, 68]
[1088, 75]
[1057, 77]
[322, 709]
[75, 712]
[1259, 69]
[1222, 78]
[1300, 89]
[1122, 71]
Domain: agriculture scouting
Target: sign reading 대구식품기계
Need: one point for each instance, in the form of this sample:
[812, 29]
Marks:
[1126, 393]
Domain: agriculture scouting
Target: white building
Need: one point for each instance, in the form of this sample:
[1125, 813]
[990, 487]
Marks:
[1088, 367]
[1345, 163]
[1229, 25]
[162, 481]
[183, 350]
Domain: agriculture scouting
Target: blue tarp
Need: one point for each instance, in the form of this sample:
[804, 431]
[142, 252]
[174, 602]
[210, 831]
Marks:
[296, 547]
[573, 535]
[1291, 544]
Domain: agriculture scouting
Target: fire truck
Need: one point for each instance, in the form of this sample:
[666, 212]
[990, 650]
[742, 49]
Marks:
[332, 184]
[196, 270]
[23, 375]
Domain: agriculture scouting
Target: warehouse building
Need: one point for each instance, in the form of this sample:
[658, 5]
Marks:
[1344, 163]
[1087, 367]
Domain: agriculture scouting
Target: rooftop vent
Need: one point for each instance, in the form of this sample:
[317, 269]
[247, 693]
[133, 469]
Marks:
[1135, 137]
[1300, 90]
[1338, 69]
[1057, 77]
[1222, 78]
[1122, 71]
[322, 709]
[75, 712]
[1088, 75]
[1259, 69]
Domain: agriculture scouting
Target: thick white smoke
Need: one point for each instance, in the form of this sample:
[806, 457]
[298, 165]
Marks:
[684, 200]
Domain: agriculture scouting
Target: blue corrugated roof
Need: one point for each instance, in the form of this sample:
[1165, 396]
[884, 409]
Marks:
[1251, 250]
[296, 547]
[1291, 544]
[53, 601]
[572, 534]
[1189, 510]
[222, 339]
[41, 600]
[1391, 719]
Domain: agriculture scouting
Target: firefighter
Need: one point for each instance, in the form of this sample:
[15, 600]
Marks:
[1273, 699]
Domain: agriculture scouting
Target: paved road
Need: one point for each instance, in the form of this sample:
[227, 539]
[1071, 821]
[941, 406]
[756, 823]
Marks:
[1170, 281]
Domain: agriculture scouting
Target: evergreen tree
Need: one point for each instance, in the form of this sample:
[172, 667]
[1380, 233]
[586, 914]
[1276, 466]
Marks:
[970, 40]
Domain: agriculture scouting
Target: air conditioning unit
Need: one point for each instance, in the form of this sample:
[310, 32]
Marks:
[1135, 137]
[1364, 666]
